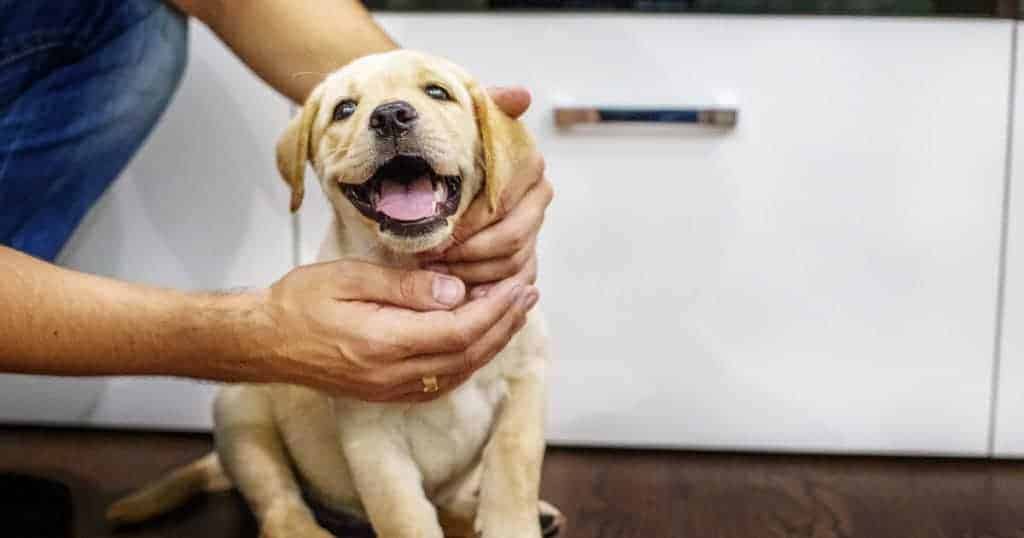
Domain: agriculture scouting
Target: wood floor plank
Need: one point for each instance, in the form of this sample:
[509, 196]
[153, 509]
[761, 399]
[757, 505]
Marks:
[604, 493]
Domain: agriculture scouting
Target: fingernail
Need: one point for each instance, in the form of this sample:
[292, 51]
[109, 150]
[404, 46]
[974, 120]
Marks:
[529, 298]
[437, 268]
[479, 291]
[447, 290]
[516, 293]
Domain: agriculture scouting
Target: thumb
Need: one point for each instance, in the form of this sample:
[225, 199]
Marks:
[408, 288]
[512, 100]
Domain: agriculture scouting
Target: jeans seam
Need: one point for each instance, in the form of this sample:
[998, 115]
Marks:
[22, 45]
[10, 151]
[13, 42]
[21, 53]
[86, 40]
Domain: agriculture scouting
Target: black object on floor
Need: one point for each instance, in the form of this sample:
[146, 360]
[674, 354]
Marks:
[33, 507]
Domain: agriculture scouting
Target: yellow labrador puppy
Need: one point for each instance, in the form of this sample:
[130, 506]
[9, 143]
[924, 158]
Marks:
[401, 142]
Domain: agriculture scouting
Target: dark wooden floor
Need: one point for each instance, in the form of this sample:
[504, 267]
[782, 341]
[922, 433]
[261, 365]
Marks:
[605, 493]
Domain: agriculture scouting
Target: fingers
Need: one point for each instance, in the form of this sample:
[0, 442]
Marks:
[479, 215]
[513, 100]
[509, 235]
[395, 334]
[454, 368]
[528, 275]
[493, 270]
[347, 328]
[447, 386]
[415, 289]
[528, 177]
[412, 391]
[507, 248]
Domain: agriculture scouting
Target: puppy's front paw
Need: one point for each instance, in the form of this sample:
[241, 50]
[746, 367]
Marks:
[534, 532]
[549, 523]
[510, 527]
[295, 529]
[287, 520]
[552, 522]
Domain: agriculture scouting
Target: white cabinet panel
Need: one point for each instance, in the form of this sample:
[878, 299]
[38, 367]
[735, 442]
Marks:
[200, 207]
[822, 278]
[1008, 434]
[48, 400]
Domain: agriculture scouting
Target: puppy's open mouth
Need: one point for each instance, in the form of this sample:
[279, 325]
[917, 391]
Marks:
[406, 196]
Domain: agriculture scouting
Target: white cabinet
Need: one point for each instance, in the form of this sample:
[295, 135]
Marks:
[822, 278]
[200, 207]
[1008, 414]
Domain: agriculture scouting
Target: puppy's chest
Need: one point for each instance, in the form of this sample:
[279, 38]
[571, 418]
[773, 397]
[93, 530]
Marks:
[446, 436]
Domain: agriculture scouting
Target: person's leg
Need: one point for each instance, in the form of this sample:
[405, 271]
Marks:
[81, 86]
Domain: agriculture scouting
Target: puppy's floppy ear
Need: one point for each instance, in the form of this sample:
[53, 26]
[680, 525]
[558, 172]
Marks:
[293, 148]
[504, 142]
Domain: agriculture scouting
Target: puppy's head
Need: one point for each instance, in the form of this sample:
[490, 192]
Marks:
[401, 143]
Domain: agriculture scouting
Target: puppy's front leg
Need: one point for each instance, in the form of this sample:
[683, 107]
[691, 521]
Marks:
[254, 456]
[389, 483]
[512, 462]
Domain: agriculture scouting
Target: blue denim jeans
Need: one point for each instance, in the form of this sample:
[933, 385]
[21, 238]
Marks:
[82, 83]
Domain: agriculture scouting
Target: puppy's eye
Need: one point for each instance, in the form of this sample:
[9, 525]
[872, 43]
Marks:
[437, 92]
[344, 109]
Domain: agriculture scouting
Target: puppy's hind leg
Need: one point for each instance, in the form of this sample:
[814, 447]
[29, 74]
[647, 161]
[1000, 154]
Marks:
[253, 455]
[171, 491]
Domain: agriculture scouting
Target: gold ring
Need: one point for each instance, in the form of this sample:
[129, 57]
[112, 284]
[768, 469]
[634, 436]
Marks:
[430, 384]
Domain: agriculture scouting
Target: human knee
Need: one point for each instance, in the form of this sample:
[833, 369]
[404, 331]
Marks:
[165, 55]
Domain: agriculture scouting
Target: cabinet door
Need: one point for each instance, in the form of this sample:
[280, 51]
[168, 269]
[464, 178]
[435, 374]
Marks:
[1008, 414]
[200, 207]
[823, 277]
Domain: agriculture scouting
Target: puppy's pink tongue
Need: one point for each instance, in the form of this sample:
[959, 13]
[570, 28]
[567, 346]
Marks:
[407, 202]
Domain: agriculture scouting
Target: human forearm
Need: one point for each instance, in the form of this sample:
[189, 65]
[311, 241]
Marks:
[58, 321]
[345, 327]
[292, 45]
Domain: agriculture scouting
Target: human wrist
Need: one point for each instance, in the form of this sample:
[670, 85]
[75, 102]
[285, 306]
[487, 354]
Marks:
[233, 332]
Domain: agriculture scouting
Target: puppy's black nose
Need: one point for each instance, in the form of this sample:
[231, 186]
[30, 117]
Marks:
[393, 119]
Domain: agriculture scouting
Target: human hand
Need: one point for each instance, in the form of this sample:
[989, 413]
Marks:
[487, 247]
[373, 333]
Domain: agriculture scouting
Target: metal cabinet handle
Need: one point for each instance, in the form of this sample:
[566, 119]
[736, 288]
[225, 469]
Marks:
[716, 117]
